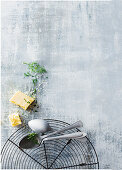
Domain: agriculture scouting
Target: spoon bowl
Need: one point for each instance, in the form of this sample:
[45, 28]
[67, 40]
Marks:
[39, 125]
[26, 143]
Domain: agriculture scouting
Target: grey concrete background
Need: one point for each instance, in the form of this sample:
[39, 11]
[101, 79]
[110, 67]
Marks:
[79, 43]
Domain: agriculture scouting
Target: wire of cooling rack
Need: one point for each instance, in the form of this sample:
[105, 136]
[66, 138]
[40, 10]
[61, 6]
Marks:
[57, 154]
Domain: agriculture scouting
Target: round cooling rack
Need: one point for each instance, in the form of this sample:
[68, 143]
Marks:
[57, 154]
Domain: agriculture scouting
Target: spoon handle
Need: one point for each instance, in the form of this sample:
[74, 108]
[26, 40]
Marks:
[67, 136]
[72, 126]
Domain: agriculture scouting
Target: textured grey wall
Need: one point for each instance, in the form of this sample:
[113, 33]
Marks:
[80, 45]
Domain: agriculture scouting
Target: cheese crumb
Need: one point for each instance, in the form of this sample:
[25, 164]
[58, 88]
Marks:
[15, 119]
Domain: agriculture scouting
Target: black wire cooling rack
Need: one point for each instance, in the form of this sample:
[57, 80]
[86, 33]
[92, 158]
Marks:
[57, 154]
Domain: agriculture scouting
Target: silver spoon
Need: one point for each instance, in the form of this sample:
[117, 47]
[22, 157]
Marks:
[25, 143]
[39, 125]
[76, 135]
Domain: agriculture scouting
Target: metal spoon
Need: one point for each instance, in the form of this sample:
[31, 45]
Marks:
[39, 125]
[25, 143]
[77, 135]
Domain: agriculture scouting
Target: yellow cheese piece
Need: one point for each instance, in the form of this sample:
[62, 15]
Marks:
[15, 119]
[22, 100]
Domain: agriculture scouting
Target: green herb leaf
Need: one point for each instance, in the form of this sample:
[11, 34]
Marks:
[32, 136]
[36, 68]
[34, 92]
[34, 81]
[28, 74]
[26, 101]
[41, 70]
[34, 71]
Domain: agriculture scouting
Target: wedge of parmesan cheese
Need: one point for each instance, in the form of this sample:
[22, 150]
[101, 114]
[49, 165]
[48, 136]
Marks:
[15, 119]
[21, 100]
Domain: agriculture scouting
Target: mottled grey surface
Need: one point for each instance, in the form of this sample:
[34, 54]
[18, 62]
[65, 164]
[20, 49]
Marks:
[80, 44]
